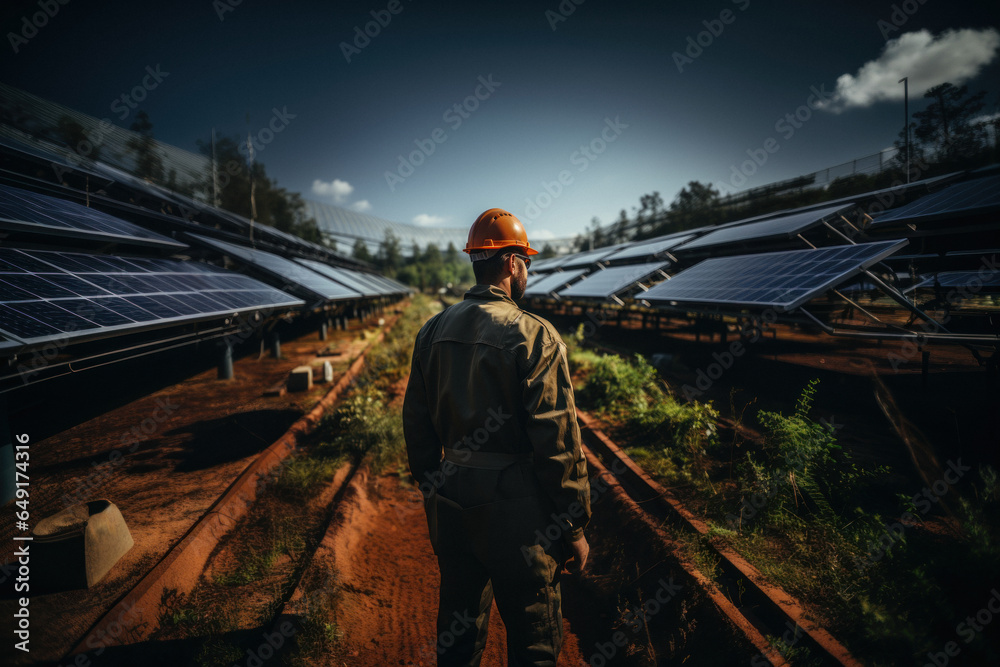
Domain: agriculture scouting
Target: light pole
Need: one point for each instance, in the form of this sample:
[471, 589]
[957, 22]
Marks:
[906, 121]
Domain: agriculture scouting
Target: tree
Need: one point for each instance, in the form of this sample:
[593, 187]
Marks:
[620, 233]
[649, 211]
[148, 163]
[945, 126]
[451, 255]
[390, 258]
[547, 251]
[73, 135]
[694, 206]
[360, 252]
[275, 206]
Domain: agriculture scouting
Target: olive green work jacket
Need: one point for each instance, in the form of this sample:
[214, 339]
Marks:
[489, 377]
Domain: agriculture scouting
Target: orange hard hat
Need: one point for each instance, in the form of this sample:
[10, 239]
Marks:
[496, 229]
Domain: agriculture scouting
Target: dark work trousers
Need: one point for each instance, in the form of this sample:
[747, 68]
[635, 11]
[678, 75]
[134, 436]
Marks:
[490, 550]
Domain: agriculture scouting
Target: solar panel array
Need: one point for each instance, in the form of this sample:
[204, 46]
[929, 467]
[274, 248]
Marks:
[977, 196]
[780, 280]
[967, 279]
[786, 226]
[553, 281]
[589, 257]
[286, 271]
[366, 284]
[651, 248]
[611, 281]
[46, 294]
[25, 210]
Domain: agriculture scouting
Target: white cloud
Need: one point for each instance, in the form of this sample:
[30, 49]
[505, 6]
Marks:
[541, 235]
[362, 206]
[336, 188]
[427, 220]
[954, 56]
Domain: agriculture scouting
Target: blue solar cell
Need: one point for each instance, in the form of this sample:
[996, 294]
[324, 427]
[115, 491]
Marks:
[284, 270]
[22, 325]
[650, 248]
[784, 226]
[70, 295]
[38, 287]
[25, 210]
[981, 195]
[94, 312]
[53, 315]
[781, 280]
[610, 282]
[552, 282]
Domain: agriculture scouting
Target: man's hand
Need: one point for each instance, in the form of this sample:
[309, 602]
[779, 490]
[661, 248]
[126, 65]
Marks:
[579, 549]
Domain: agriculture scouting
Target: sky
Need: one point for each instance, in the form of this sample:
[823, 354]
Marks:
[556, 111]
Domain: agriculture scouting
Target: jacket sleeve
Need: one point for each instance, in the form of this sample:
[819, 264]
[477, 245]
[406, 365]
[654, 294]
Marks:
[423, 448]
[555, 434]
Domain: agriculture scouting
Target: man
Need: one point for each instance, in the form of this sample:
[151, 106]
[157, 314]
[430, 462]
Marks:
[492, 438]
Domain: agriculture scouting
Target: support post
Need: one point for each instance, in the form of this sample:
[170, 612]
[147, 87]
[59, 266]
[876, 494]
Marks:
[226, 361]
[276, 345]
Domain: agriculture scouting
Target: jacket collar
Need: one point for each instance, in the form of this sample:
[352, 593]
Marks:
[489, 293]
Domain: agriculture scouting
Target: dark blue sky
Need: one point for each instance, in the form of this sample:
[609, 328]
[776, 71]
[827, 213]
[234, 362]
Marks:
[606, 79]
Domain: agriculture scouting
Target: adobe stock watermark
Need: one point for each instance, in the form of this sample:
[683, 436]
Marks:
[636, 618]
[789, 638]
[562, 523]
[796, 462]
[434, 480]
[581, 158]
[455, 115]
[562, 12]
[909, 350]
[223, 7]
[786, 125]
[922, 502]
[901, 13]
[751, 331]
[714, 28]
[381, 18]
[32, 23]
[973, 625]
[122, 105]
[131, 99]
[460, 624]
[130, 440]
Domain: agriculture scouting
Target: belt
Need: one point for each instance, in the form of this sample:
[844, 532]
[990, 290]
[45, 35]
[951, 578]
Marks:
[468, 458]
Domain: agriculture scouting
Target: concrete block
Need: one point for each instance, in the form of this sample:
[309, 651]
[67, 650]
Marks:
[301, 379]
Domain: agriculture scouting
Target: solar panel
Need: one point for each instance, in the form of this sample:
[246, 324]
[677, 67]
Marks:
[392, 286]
[651, 248]
[284, 270]
[609, 282]
[46, 295]
[784, 226]
[972, 280]
[22, 210]
[981, 195]
[553, 281]
[589, 257]
[544, 265]
[352, 279]
[782, 280]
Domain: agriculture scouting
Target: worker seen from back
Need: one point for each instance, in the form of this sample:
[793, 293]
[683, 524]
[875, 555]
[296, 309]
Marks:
[492, 439]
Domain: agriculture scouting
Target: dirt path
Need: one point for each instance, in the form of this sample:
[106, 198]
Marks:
[388, 576]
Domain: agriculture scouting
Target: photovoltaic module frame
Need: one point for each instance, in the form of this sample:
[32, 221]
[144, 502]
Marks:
[23, 210]
[780, 280]
[46, 295]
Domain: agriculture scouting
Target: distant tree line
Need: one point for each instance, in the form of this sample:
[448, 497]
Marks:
[952, 133]
[272, 205]
[427, 269]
